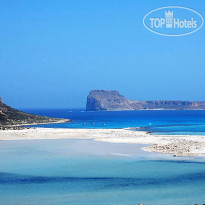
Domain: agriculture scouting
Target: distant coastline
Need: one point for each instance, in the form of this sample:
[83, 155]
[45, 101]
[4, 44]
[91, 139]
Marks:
[111, 100]
[145, 110]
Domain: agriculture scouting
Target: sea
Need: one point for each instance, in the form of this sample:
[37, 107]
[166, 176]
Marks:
[87, 172]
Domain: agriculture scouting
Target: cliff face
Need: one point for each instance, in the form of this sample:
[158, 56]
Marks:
[112, 100]
[11, 116]
[107, 100]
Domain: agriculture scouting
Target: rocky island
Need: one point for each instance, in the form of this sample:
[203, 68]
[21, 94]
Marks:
[10, 117]
[112, 100]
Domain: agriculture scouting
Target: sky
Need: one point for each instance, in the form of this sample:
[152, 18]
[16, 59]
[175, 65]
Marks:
[52, 53]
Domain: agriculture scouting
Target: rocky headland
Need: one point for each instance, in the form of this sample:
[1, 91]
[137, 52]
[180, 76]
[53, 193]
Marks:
[11, 118]
[112, 100]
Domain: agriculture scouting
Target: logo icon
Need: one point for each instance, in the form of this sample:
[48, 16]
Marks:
[169, 19]
[173, 21]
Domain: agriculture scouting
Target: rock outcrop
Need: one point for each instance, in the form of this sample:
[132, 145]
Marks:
[10, 116]
[113, 100]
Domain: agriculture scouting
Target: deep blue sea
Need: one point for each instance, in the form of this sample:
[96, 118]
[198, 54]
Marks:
[155, 121]
[86, 172]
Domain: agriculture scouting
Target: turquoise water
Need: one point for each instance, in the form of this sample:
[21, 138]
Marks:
[84, 172]
[155, 121]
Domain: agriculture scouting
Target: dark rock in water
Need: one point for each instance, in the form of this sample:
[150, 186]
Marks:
[10, 116]
[113, 100]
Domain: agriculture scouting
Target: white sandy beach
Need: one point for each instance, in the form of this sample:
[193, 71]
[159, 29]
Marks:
[184, 145]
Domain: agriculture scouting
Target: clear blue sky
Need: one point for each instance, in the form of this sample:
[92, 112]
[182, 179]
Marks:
[52, 53]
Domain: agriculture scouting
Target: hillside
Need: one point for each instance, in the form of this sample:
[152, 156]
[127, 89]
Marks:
[11, 116]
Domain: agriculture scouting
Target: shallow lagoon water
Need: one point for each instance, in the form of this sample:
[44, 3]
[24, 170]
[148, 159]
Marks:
[87, 172]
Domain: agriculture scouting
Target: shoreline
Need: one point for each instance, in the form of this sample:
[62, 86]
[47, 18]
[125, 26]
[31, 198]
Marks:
[146, 109]
[177, 145]
[35, 123]
[45, 123]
